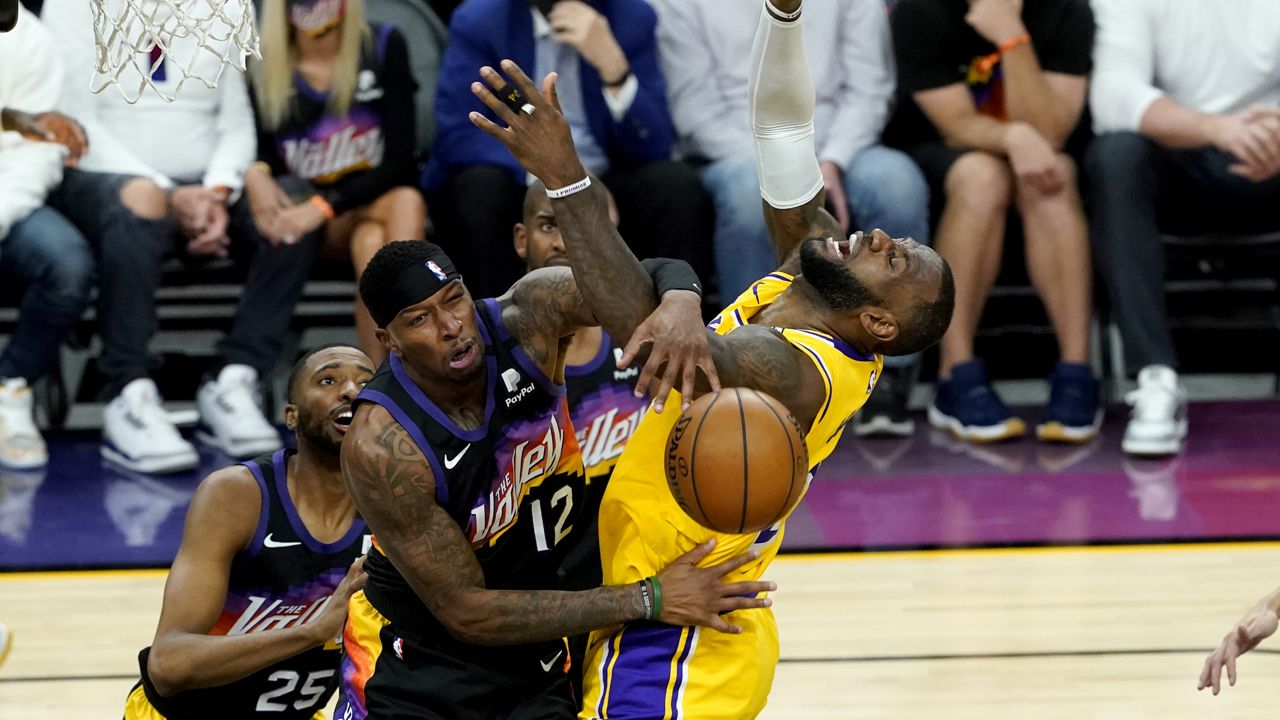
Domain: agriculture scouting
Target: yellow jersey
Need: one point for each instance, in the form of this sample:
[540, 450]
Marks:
[642, 530]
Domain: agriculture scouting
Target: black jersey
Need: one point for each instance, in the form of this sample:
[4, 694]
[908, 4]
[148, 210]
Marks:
[605, 412]
[514, 485]
[282, 579]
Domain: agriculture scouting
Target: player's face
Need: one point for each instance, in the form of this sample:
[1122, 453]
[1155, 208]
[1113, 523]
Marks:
[438, 337]
[538, 240]
[323, 393]
[871, 269]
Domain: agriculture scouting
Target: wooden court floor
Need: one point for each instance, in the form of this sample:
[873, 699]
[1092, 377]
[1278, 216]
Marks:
[1076, 633]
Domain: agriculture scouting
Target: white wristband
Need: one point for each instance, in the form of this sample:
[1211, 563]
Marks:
[568, 190]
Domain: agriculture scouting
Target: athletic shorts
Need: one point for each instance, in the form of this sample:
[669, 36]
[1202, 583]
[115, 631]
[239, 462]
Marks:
[386, 676]
[652, 671]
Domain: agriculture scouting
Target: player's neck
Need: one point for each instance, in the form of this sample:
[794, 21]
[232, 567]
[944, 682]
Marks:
[463, 403]
[314, 478]
[584, 346]
[800, 307]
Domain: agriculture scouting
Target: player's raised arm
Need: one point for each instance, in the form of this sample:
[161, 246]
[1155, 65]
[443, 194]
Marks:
[610, 278]
[781, 101]
[221, 522]
[394, 488]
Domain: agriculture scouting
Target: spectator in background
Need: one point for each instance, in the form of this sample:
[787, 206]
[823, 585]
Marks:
[612, 93]
[1186, 103]
[704, 47]
[162, 179]
[335, 112]
[991, 91]
[40, 252]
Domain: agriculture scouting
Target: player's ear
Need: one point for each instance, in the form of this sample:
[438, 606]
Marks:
[387, 341]
[291, 416]
[880, 324]
[520, 238]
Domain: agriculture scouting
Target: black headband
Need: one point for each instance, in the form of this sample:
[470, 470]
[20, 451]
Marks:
[416, 282]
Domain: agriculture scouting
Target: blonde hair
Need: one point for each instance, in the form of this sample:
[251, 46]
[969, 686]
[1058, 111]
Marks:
[273, 75]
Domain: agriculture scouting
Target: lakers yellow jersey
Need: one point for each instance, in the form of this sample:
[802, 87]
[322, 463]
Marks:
[641, 527]
[642, 530]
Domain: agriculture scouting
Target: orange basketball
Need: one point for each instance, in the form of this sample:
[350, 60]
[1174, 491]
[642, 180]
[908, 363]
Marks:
[736, 461]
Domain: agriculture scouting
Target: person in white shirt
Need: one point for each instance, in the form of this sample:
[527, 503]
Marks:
[165, 179]
[1186, 104]
[45, 263]
[704, 46]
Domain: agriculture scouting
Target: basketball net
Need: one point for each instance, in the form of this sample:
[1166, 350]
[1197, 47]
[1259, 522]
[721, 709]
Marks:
[140, 42]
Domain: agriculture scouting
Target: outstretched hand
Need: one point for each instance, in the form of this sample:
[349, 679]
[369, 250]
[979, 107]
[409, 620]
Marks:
[1252, 629]
[698, 596]
[678, 348]
[536, 132]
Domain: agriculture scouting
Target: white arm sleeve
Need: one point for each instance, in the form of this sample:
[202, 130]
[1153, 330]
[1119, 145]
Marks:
[782, 99]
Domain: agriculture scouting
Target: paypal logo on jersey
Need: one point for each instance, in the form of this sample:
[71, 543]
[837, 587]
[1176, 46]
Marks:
[511, 378]
[625, 373]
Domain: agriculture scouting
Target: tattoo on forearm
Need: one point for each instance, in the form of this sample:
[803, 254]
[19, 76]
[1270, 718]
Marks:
[391, 483]
[757, 357]
[547, 305]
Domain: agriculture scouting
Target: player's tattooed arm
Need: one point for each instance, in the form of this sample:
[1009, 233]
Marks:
[394, 488]
[541, 308]
[758, 357]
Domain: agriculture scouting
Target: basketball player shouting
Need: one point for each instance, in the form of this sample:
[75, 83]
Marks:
[257, 595]
[810, 334]
[463, 460]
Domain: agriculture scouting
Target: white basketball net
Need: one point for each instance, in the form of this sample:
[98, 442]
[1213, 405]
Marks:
[190, 39]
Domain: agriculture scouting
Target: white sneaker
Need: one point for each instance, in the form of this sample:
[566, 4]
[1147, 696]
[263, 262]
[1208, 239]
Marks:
[138, 434]
[1158, 422]
[21, 446]
[230, 418]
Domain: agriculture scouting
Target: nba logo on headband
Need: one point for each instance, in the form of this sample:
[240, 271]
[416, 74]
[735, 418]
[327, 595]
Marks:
[436, 270]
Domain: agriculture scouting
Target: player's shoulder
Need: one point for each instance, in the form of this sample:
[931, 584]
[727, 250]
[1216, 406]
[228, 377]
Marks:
[225, 509]
[232, 483]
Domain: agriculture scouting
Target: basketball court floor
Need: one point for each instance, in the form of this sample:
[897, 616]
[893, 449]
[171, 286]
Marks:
[923, 578]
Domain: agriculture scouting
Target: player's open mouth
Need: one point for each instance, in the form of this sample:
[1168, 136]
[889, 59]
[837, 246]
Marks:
[840, 249]
[463, 358]
[342, 420]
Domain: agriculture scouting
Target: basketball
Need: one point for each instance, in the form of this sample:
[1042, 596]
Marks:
[736, 461]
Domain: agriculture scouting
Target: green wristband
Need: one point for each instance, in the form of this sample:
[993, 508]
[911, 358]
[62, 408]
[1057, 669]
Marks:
[657, 595]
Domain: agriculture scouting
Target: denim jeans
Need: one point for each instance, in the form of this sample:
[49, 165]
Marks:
[884, 187]
[131, 251]
[51, 264]
[1137, 188]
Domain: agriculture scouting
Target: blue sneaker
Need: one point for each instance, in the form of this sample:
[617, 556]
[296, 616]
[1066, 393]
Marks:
[969, 408]
[1075, 414]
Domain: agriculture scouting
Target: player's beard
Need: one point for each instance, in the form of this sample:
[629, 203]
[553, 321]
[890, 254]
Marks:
[316, 432]
[835, 282]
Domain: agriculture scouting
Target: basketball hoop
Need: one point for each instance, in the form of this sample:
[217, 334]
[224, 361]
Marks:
[141, 41]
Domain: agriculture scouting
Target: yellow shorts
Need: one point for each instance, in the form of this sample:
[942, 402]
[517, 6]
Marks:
[649, 670]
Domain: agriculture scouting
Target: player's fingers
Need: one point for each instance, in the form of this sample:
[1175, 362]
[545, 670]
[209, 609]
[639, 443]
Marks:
[550, 87]
[632, 350]
[1204, 673]
[734, 563]
[491, 101]
[651, 368]
[730, 604]
[664, 389]
[1231, 669]
[523, 82]
[749, 588]
[487, 125]
[695, 556]
[1215, 675]
[688, 382]
[709, 369]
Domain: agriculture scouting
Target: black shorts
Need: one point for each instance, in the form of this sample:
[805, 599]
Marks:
[388, 677]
